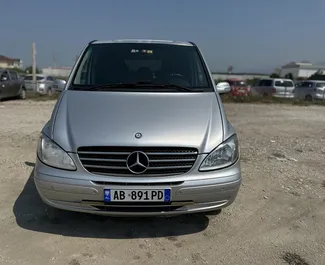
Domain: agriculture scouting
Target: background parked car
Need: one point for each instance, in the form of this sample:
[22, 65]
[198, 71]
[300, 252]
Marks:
[59, 85]
[44, 84]
[239, 88]
[310, 90]
[277, 87]
[223, 87]
[10, 85]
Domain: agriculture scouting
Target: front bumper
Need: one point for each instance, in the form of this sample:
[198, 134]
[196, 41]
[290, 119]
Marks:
[42, 90]
[190, 193]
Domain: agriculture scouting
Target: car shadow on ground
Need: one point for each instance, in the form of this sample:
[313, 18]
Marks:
[32, 214]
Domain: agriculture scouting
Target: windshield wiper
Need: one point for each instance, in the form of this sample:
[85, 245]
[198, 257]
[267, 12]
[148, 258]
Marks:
[105, 87]
[165, 85]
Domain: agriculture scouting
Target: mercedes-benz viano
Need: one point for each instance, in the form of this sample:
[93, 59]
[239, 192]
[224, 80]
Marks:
[138, 130]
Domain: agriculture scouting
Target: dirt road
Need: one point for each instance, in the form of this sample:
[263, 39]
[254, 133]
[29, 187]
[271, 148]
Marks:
[280, 207]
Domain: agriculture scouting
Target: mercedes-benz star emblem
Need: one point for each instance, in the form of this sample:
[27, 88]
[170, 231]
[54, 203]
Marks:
[138, 135]
[137, 162]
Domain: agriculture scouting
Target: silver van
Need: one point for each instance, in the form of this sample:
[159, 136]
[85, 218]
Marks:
[277, 87]
[139, 130]
[310, 90]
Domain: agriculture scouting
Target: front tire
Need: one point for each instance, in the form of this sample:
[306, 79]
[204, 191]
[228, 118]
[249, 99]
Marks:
[22, 94]
[309, 98]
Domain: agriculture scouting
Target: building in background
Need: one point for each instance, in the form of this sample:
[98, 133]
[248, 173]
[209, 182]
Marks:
[6, 62]
[57, 71]
[300, 69]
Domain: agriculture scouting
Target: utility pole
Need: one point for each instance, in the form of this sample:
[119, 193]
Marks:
[34, 64]
[54, 61]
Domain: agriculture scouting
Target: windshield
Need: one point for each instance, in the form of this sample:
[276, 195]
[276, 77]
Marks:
[131, 63]
[284, 83]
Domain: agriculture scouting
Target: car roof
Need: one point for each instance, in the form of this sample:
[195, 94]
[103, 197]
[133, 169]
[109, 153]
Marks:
[277, 79]
[36, 74]
[152, 41]
[235, 79]
[314, 81]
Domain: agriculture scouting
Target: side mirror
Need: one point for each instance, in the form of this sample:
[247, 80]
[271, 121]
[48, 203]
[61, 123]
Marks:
[4, 78]
[223, 87]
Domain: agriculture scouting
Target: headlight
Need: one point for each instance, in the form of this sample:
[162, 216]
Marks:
[41, 85]
[224, 155]
[53, 155]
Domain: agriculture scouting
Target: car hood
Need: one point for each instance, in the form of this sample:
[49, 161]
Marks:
[87, 118]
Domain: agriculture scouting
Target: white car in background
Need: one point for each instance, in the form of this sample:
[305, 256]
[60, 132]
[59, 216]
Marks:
[223, 87]
[44, 84]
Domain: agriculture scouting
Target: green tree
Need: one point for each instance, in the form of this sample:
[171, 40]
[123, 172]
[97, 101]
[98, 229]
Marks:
[317, 76]
[289, 76]
[29, 70]
[252, 82]
[18, 70]
[274, 75]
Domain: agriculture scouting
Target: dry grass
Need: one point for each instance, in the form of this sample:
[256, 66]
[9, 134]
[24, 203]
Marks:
[39, 97]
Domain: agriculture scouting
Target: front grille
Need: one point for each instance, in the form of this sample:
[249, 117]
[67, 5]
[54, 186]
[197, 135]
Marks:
[162, 160]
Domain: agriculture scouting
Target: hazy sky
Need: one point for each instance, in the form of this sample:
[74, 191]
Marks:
[251, 35]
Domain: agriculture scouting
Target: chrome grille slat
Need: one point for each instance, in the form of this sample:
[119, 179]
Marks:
[104, 153]
[109, 160]
[172, 167]
[100, 166]
[102, 159]
[171, 154]
[172, 160]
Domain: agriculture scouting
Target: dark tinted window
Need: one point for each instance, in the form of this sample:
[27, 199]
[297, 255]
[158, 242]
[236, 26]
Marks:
[50, 78]
[136, 62]
[307, 84]
[30, 78]
[266, 82]
[283, 83]
[13, 75]
[320, 84]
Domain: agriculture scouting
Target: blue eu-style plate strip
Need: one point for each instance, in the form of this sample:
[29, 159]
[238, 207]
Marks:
[167, 195]
[107, 195]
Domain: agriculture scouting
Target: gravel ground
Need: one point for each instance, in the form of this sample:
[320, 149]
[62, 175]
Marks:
[280, 207]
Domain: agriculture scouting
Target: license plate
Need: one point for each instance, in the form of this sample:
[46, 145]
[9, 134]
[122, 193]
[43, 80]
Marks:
[241, 90]
[126, 195]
